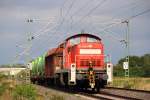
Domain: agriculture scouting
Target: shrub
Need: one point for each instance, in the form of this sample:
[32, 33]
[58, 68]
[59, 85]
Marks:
[128, 85]
[2, 76]
[2, 89]
[24, 91]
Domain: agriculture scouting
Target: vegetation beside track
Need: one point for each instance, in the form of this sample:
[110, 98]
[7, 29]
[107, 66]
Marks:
[139, 66]
[24, 91]
[12, 90]
[138, 83]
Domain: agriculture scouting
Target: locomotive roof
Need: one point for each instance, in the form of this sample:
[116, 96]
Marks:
[54, 51]
[83, 34]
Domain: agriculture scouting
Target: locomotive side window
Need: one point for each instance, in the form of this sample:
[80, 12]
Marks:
[74, 41]
[89, 39]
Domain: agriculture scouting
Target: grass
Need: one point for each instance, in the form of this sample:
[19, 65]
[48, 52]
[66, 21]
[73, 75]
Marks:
[26, 91]
[131, 83]
[11, 90]
[3, 84]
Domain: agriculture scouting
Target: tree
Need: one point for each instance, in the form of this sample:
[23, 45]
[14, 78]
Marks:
[139, 66]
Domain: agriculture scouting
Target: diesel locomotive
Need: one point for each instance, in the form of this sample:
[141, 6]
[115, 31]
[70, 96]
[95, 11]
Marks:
[76, 62]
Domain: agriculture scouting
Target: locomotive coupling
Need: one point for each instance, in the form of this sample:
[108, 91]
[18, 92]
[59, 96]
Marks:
[91, 76]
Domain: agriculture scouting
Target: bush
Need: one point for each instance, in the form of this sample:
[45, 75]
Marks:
[3, 85]
[128, 85]
[2, 89]
[24, 92]
[2, 76]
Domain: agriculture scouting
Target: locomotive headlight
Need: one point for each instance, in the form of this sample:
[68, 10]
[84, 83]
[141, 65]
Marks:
[79, 76]
[80, 71]
[105, 76]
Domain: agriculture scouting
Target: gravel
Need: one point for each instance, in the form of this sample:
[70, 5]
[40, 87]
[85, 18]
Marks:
[49, 93]
[126, 93]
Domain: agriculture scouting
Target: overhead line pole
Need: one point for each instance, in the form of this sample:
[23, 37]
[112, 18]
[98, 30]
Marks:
[29, 42]
[126, 41]
[128, 48]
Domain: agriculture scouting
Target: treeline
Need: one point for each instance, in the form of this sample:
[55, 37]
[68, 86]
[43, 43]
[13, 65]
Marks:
[138, 66]
[13, 66]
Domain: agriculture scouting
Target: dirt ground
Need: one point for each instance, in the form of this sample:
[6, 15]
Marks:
[49, 93]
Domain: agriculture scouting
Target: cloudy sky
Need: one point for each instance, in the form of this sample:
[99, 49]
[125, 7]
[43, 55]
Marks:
[54, 20]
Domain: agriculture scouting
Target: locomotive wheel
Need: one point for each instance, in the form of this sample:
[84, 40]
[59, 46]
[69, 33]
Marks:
[36, 82]
[97, 86]
[65, 77]
[103, 86]
[93, 89]
[97, 89]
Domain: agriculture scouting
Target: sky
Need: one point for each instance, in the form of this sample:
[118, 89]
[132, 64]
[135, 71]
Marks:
[54, 20]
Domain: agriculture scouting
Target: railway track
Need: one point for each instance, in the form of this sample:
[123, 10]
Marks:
[134, 90]
[107, 94]
[127, 93]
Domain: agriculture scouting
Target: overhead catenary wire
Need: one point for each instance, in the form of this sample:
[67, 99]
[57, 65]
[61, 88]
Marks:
[46, 27]
[63, 18]
[46, 30]
[86, 15]
[127, 19]
[121, 21]
[135, 4]
[113, 24]
[58, 25]
[139, 14]
[82, 7]
[92, 10]
[104, 30]
[43, 30]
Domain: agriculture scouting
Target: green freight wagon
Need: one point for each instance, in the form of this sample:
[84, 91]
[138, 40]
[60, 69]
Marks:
[38, 66]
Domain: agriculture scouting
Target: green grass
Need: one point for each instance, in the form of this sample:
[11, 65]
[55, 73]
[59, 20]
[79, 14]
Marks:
[24, 91]
[2, 89]
[3, 85]
[132, 83]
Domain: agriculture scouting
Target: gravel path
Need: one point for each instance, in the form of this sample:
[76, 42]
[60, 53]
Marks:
[49, 93]
[139, 95]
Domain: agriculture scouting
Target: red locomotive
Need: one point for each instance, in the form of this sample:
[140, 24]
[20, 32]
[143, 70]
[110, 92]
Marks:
[78, 61]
